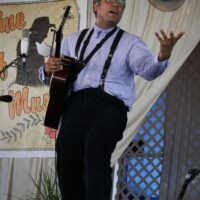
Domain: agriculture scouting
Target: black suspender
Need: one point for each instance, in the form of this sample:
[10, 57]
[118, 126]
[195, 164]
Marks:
[85, 44]
[98, 46]
[80, 39]
[110, 55]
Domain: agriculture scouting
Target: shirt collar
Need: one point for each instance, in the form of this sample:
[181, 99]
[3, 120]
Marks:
[98, 31]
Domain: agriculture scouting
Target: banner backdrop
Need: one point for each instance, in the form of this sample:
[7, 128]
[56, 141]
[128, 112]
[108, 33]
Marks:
[21, 120]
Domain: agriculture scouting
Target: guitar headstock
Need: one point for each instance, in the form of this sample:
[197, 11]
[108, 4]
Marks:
[67, 9]
[59, 33]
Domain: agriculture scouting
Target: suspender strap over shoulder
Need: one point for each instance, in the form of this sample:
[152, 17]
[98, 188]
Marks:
[98, 46]
[85, 44]
[80, 39]
[110, 55]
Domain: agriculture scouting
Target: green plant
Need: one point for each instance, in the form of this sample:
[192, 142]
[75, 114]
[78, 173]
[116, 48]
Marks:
[47, 189]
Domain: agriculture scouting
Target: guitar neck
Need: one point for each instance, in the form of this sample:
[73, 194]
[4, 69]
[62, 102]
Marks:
[59, 33]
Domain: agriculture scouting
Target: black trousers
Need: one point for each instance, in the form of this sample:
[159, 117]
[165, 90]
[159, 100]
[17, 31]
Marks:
[92, 123]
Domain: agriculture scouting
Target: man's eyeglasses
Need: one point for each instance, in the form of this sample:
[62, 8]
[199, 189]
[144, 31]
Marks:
[120, 2]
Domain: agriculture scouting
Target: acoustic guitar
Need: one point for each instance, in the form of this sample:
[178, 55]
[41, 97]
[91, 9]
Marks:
[60, 83]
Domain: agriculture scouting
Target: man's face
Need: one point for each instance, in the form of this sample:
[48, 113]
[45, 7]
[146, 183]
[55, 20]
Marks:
[108, 12]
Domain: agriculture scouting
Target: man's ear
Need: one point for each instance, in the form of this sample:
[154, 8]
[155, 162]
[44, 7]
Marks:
[95, 6]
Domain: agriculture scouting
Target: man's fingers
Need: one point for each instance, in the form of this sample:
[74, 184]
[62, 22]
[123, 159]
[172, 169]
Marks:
[179, 35]
[53, 65]
[54, 68]
[54, 61]
[163, 34]
[57, 69]
[171, 36]
[158, 36]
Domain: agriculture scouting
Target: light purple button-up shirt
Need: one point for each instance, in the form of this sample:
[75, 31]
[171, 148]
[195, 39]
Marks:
[131, 58]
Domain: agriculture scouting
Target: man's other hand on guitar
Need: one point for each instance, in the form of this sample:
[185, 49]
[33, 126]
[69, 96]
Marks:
[52, 65]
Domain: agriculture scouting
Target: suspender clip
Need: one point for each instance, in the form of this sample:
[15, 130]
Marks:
[110, 55]
[102, 81]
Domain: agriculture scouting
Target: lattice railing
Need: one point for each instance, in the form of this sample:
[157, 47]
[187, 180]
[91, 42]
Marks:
[139, 174]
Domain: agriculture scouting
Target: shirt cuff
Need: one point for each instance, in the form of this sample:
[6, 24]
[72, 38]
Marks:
[42, 77]
[163, 63]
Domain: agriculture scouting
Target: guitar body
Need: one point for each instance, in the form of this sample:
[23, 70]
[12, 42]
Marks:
[61, 81]
[60, 86]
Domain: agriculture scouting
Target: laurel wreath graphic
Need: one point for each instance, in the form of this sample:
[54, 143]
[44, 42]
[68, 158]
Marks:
[20, 128]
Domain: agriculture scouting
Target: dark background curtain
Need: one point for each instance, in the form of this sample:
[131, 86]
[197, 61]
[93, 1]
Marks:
[182, 131]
